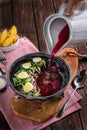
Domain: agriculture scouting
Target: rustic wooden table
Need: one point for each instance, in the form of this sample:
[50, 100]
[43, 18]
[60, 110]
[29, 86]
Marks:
[29, 17]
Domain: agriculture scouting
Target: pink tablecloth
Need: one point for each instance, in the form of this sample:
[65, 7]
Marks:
[19, 123]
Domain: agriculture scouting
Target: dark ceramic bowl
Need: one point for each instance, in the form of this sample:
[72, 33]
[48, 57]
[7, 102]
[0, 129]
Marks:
[62, 68]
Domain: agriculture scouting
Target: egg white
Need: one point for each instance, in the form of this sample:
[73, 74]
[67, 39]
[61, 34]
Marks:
[28, 87]
[26, 65]
[37, 59]
[22, 75]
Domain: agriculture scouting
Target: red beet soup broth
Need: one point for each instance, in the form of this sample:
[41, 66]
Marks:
[62, 39]
[49, 80]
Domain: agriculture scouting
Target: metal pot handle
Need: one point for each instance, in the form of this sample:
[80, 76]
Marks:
[62, 9]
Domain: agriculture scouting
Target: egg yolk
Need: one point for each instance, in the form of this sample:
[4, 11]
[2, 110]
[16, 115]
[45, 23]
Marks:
[23, 75]
[26, 65]
[37, 59]
[27, 87]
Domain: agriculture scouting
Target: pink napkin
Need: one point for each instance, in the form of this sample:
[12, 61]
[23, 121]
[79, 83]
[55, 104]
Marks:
[18, 123]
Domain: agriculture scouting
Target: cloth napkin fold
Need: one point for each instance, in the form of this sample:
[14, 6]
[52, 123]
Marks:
[18, 123]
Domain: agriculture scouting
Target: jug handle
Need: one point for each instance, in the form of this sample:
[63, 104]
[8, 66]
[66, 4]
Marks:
[62, 9]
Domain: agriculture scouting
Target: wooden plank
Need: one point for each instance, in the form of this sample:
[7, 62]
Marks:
[57, 4]
[23, 18]
[5, 14]
[83, 113]
[42, 9]
[71, 122]
[82, 48]
[47, 128]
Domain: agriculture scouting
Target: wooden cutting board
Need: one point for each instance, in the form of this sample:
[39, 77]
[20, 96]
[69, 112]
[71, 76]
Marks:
[42, 111]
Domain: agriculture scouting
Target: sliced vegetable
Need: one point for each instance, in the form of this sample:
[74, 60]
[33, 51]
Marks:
[28, 87]
[26, 65]
[37, 59]
[22, 75]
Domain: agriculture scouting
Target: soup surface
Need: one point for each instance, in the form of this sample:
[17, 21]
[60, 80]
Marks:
[38, 77]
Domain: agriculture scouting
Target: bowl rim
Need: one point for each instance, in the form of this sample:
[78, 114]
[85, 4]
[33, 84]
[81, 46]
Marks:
[59, 93]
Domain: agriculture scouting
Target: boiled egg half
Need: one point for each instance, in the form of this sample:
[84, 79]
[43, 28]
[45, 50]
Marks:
[22, 75]
[28, 87]
[26, 65]
[37, 59]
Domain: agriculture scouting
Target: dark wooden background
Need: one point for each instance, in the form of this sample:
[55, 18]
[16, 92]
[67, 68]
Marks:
[29, 17]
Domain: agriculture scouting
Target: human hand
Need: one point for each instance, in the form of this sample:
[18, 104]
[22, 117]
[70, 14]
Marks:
[71, 5]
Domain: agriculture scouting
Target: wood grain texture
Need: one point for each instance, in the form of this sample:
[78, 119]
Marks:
[42, 9]
[23, 18]
[29, 16]
[5, 14]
